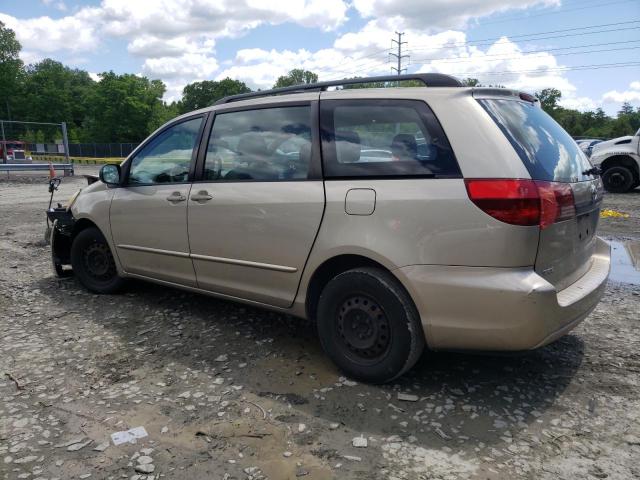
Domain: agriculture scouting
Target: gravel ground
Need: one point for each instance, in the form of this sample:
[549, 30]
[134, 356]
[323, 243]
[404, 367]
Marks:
[225, 391]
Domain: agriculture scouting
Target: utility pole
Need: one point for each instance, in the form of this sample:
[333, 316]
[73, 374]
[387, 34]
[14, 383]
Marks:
[399, 55]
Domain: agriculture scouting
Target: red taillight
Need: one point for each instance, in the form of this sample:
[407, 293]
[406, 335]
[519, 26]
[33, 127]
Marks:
[523, 202]
[556, 202]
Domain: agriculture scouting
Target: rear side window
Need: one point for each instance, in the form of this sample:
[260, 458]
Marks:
[545, 148]
[383, 138]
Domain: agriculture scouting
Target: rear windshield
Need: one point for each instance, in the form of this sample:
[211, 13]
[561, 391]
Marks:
[546, 149]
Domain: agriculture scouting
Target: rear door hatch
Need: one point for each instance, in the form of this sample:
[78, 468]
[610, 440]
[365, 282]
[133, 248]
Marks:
[566, 248]
[565, 180]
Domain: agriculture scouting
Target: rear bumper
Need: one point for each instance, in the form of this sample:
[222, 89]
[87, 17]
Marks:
[501, 309]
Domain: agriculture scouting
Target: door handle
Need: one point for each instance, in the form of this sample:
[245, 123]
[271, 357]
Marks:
[176, 197]
[201, 196]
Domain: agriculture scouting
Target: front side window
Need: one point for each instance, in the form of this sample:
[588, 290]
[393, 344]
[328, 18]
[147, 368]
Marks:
[368, 138]
[264, 145]
[166, 158]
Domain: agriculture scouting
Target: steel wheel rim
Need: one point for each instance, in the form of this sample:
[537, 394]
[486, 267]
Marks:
[363, 329]
[98, 262]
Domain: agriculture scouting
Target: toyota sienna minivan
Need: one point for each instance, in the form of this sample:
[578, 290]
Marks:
[395, 218]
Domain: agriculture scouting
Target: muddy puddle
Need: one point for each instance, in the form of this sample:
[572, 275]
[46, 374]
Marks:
[625, 262]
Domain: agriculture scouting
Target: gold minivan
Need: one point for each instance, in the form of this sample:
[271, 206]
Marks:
[395, 218]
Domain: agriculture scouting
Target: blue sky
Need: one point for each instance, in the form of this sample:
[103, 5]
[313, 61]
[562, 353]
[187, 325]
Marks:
[498, 41]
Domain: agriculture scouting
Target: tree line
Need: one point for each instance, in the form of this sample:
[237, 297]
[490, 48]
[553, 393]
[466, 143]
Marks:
[123, 108]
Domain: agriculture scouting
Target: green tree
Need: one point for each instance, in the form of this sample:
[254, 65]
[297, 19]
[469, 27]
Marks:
[54, 93]
[626, 109]
[392, 84]
[549, 98]
[11, 69]
[203, 94]
[124, 108]
[297, 76]
[162, 113]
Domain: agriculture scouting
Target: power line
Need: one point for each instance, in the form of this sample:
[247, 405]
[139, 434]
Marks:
[597, 66]
[399, 55]
[378, 52]
[370, 64]
[359, 64]
[562, 10]
[522, 37]
[505, 56]
[354, 68]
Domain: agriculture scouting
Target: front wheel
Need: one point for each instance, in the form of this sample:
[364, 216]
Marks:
[93, 263]
[369, 326]
[617, 179]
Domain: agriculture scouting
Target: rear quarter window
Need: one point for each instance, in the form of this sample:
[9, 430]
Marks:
[383, 138]
[545, 148]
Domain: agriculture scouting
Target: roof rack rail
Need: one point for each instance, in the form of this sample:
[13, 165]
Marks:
[429, 80]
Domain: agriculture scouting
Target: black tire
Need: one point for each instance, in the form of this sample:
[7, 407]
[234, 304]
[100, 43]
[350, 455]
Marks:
[618, 179]
[93, 263]
[369, 326]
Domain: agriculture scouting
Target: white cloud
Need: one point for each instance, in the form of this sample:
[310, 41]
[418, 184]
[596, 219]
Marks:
[579, 103]
[360, 53]
[365, 53]
[632, 95]
[148, 46]
[441, 13]
[175, 40]
[189, 65]
[45, 35]
[177, 71]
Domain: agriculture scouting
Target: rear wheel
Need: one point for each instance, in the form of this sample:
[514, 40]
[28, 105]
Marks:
[93, 263]
[618, 179]
[369, 326]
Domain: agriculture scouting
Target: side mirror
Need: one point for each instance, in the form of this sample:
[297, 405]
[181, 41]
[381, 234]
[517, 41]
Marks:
[110, 174]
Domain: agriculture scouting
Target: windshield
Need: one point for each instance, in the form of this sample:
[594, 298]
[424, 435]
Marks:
[545, 148]
[14, 146]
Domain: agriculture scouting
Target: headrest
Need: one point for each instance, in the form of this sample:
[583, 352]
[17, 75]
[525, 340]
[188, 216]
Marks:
[404, 146]
[347, 146]
[305, 153]
[252, 143]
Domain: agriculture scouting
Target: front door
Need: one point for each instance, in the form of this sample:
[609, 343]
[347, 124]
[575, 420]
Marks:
[149, 213]
[255, 213]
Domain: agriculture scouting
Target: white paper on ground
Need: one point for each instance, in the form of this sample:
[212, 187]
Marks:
[128, 436]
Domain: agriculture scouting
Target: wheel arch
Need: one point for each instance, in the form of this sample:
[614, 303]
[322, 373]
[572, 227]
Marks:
[330, 268]
[83, 224]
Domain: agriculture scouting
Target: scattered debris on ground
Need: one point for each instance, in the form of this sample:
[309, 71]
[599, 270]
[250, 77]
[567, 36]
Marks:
[230, 392]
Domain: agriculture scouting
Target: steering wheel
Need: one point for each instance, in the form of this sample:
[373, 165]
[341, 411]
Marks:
[177, 173]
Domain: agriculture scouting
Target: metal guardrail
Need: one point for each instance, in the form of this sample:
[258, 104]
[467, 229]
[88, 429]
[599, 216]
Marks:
[67, 168]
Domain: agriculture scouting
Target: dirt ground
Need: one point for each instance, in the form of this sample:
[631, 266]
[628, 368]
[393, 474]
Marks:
[225, 391]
